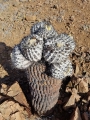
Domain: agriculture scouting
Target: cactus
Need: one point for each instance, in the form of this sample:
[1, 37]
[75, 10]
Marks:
[44, 42]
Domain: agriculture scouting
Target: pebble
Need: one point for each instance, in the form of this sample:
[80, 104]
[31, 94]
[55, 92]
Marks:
[23, 0]
[30, 17]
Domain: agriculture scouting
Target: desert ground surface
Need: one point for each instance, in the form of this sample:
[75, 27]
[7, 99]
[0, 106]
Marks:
[16, 18]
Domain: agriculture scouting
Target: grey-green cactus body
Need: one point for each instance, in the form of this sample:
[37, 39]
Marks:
[44, 89]
[58, 48]
[31, 47]
[61, 70]
[44, 42]
[18, 60]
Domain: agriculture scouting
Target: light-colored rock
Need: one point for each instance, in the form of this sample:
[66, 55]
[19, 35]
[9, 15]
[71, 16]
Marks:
[1, 117]
[18, 116]
[12, 117]
[8, 110]
[23, 0]
[30, 17]
[3, 88]
[83, 86]
[76, 114]
[14, 90]
[70, 103]
[3, 72]
[73, 99]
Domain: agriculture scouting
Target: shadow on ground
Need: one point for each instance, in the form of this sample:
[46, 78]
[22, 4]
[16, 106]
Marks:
[13, 74]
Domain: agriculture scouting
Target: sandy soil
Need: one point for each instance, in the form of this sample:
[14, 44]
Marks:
[71, 17]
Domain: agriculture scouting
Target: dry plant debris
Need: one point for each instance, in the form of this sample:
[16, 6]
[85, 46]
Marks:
[81, 84]
[75, 100]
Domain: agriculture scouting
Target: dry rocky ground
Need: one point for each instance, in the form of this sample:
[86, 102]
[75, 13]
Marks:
[16, 19]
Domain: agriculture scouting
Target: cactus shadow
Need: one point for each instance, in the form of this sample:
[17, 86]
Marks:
[6, 68]
[8, 74]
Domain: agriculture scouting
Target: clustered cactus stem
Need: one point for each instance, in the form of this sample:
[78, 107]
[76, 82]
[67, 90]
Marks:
[44, 43]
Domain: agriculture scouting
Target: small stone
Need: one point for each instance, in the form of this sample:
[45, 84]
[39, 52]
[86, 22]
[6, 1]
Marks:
[83, 86]
[23, 0]
[3, 88]
[84, 101]
[68, 89]
[30, 17]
